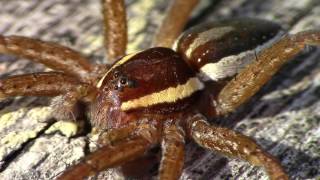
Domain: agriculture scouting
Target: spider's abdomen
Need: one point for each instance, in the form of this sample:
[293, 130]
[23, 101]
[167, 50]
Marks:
[156, 80]
[220, 49]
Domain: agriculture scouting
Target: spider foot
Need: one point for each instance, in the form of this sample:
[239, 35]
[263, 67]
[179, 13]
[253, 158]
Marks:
[66, 128]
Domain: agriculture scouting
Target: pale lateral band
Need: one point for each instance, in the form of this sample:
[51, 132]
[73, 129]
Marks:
[226, 67]
[233, 64]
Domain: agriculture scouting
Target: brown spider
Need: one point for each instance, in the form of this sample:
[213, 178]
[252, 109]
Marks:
[161, 95]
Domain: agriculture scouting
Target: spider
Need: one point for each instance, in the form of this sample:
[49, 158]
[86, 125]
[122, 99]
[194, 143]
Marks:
[163, 95]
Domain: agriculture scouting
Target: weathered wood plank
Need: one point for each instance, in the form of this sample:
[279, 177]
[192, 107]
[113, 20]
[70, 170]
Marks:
[284, 120]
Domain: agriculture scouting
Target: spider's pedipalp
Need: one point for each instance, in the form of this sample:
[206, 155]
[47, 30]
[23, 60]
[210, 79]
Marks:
[115, 28]
[113, 155]
[233, 144]
[52, 55]
[173, 152]
[267, 63]
[67, 106]
[114, 135]
[37, 84]
[174, 22]
[106, 157]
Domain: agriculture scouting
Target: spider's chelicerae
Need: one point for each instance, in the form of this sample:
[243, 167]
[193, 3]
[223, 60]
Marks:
[163, 95]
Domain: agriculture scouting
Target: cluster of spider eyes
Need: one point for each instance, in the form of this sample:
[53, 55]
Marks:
[121, 81]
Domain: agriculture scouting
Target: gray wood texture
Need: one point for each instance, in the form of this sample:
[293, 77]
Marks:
[284, 117]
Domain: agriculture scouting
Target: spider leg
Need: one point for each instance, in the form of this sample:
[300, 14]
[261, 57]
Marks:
[107, 157]
[113, 135]
[113, 155]
[256, 74]
[138, 167]
[68, 89]
[176, 17]
[115, 28]
[40, 84]
[172, 152]
[50, 54]
[234, 144]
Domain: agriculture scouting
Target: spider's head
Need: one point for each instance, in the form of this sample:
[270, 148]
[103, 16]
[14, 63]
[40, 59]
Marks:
[154, 81]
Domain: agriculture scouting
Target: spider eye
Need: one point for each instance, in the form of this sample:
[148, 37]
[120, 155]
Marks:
[116, 87]
[123, 80]
[116, 74]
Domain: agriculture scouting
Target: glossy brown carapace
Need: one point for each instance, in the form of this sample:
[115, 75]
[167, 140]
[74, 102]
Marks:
[163, 96]
[147, 82]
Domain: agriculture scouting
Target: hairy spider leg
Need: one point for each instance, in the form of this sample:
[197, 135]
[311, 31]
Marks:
[53, 55]
[115, 28]
[38, 84]
[173, 151]
[68, 89]
[141, 165]
[114, 155]
[233, 144]
[112, 136]
[256, 74]
[176, 17]
[106, 157]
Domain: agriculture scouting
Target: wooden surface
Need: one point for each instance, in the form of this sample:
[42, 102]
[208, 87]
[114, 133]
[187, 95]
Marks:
[284, 118]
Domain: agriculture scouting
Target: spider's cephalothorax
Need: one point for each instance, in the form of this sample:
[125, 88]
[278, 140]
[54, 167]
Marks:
[154, 81]
[161, 95]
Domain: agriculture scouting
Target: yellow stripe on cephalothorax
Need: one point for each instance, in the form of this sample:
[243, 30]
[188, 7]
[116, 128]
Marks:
[171, 94]
[120, 62]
